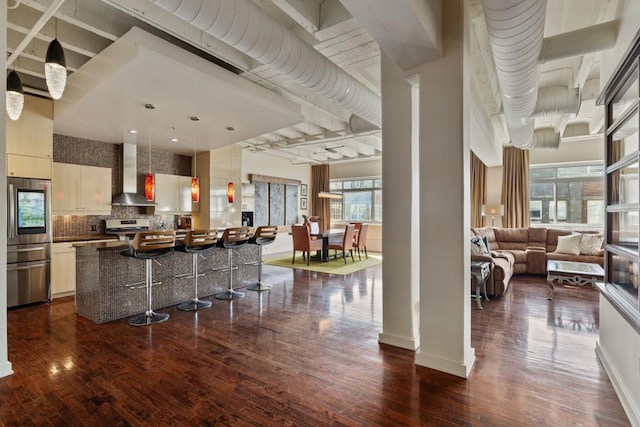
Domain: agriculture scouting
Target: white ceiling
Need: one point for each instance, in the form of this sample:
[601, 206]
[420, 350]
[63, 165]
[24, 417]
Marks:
[106, 98]
[107, 110]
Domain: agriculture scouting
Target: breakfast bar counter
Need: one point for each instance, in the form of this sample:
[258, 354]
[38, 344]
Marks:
[111, 286]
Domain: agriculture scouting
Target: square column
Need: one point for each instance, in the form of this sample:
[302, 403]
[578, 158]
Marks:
[399, 235]
[444, 88]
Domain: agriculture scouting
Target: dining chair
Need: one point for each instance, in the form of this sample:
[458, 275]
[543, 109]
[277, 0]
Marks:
[360, 240]
[302, 242]
[347, 243]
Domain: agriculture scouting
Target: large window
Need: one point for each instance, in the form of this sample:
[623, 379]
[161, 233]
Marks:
[361, 199]
[567, 194]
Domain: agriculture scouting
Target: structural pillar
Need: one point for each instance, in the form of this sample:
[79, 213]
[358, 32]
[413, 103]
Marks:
[400, 253]
[444, 85]
[5, 365]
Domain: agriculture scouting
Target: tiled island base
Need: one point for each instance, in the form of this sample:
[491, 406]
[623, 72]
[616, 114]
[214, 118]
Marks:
[110, 286]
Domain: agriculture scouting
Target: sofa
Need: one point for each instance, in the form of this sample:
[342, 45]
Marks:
[525, 251]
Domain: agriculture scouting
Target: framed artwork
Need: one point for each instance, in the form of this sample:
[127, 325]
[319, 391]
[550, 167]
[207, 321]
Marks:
[303, 203]
[303, 192]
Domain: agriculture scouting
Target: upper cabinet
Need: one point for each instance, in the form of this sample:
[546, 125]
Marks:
[81, 190]
[30, 140]
[173, 193]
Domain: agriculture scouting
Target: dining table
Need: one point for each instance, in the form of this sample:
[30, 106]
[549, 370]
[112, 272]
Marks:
[330, 236]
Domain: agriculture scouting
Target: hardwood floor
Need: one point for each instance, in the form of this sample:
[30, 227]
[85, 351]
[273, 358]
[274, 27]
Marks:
[306, 354]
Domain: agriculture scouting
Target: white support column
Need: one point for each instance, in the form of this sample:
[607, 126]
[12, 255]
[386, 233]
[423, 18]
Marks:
[400, 285]
[5, 365]
[445, 327]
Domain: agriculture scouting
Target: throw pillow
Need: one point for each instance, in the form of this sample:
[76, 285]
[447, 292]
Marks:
[569, 244]
[478, 246]
[591, 244]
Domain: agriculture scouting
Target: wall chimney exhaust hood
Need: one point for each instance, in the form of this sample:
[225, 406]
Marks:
[129, 195]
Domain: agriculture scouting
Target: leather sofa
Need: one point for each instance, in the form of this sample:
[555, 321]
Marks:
[523, 251]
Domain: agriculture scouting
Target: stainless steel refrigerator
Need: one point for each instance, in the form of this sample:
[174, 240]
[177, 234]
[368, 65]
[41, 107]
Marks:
[28, 241]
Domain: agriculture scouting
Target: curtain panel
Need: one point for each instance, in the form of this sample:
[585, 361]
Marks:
[319, 205]
[515, 187]
[478, 190]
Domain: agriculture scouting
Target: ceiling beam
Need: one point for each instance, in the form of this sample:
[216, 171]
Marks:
[305, 12]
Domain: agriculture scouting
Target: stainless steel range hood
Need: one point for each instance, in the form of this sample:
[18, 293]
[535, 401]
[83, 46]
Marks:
[129, 195]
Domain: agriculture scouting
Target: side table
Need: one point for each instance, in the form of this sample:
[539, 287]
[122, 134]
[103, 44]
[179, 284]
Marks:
[480, 270]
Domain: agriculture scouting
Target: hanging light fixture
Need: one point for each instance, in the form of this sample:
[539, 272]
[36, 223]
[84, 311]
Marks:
[15, 95]
[230, 188]
[55, 69]
[195, 182]
[149, 181]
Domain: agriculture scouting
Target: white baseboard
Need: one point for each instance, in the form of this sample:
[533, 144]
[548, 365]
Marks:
[452, 367]
[629, 404]
[5, 369]
[398, 341]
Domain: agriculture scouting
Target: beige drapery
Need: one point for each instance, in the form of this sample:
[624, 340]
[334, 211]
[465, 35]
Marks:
[319, 205]
[478, 189]
[515, 187]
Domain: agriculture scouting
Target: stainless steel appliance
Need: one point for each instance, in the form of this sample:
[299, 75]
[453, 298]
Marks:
[185, 222]
[125, 228]
[28, 241]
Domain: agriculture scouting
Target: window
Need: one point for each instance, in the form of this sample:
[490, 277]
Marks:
[361, 199]
[567, 194]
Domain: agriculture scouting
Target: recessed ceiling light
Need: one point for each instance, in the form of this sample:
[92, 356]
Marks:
[174, 140]
[133, 131]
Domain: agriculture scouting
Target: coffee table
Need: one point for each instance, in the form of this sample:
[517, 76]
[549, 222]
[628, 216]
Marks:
[574, 273]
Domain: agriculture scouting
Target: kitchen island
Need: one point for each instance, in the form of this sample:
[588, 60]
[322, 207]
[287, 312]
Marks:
[111, 286]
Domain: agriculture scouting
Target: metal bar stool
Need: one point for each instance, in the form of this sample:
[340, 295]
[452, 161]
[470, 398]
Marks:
[264, 235]
[232, 238]
[149, 246]
[194, 243]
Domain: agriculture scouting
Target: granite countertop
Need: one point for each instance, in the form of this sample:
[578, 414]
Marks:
[84, 238]
[112, 244]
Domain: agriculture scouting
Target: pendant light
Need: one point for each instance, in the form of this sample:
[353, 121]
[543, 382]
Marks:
[195, 182]
[149, 182]
[55, 69]
[230, 188]
[15, 95]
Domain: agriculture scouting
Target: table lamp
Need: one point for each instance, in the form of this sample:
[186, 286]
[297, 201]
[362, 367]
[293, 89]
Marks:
[493, 211]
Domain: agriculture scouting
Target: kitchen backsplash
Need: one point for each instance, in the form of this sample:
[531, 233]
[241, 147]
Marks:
[67, 149]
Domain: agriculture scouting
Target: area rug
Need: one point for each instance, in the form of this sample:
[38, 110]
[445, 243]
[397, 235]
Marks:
[333, 267]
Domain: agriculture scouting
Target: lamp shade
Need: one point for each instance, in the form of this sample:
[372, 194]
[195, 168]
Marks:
[195, 189]
[328, 195]
[492, 210]
[55, 69]
[149, 187]
[15, 95]
[230, 192]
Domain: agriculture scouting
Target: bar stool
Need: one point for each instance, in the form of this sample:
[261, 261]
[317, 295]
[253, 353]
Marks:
[232, 238]
[196, 242]
[149, 246]
[264, 235]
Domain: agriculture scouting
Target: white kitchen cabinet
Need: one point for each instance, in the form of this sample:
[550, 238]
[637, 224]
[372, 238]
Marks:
[30, 140]
[63, 270]
[173, 193]
[81, 190]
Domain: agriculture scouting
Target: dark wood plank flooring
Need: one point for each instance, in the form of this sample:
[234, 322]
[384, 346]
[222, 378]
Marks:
[306, 354]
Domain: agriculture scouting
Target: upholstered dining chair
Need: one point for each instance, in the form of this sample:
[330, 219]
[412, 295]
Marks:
[302, 242]
[313, 222]
[347, 243]
[360, 240]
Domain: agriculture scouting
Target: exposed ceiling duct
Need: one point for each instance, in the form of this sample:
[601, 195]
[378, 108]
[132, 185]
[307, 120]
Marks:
[244, 26]
[556, 100]
[516, 31]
